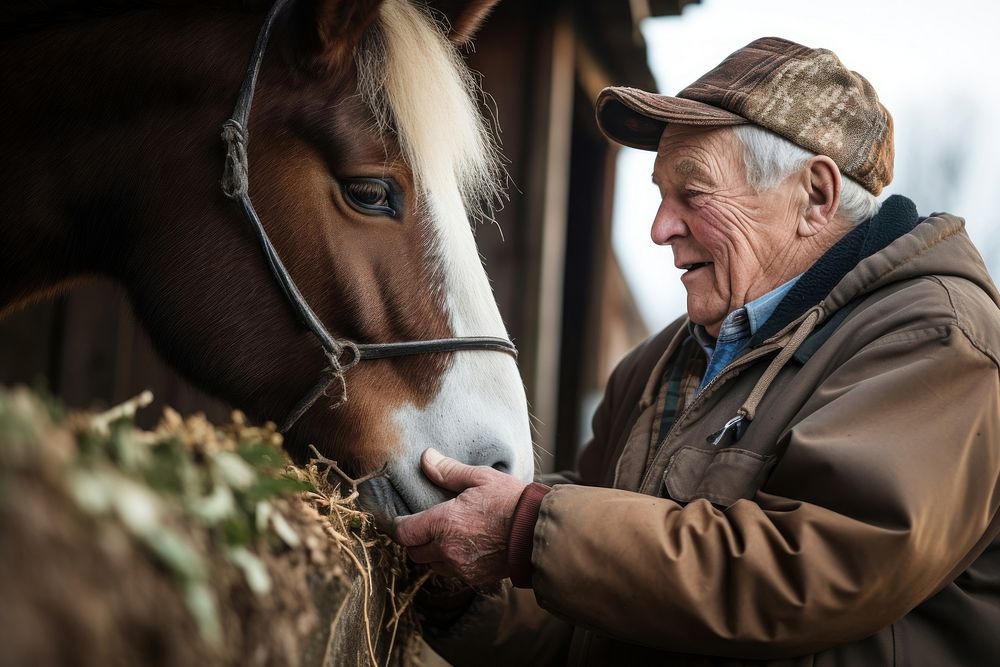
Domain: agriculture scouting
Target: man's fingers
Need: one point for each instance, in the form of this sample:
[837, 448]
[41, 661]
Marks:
[448, 473]
[422, 527]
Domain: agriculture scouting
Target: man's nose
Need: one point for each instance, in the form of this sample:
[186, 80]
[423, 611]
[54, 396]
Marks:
[668, 224]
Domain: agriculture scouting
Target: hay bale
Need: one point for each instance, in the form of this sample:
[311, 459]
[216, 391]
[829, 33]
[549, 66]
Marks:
[189, 544]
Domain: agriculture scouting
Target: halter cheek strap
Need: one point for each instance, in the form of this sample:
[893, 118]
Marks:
[342, 354]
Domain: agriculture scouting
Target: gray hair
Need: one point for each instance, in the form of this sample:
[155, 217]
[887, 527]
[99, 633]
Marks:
[770, 159]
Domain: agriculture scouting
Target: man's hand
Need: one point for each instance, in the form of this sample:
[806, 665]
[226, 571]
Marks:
[465, 537]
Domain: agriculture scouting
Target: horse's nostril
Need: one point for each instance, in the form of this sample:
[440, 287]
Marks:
[491, 454]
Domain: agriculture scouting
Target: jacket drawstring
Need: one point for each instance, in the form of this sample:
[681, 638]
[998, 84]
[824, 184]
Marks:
[748, 410]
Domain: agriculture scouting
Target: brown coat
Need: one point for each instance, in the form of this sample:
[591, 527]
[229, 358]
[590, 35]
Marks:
[853, 523]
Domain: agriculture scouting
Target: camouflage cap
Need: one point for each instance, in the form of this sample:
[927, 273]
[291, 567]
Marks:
[805, 95]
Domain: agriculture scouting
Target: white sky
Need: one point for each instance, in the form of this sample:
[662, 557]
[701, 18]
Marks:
[934, 65]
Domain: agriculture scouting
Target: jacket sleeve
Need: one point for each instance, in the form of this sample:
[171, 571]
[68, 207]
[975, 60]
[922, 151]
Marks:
[887, 490]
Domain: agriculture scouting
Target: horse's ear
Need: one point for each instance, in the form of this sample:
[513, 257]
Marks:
[464, 16]
[326, 31]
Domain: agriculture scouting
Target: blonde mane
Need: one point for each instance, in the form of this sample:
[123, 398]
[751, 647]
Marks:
[419, 87]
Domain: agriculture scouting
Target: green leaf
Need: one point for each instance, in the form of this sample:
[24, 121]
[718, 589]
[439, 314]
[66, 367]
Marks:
[263, 456]
[234, 470]
[216, 506]
[177, 553]
[236, 530]
[276, 487]
[254, 570]
[200, 601]
[164, 470]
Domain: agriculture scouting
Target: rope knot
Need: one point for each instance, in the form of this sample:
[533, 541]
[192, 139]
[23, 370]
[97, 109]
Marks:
[236, 173]
[339, 365]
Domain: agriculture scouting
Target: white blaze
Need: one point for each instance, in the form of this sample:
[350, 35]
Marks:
[480, 413]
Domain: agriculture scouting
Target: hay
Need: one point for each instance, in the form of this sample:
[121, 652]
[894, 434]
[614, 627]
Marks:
[189, 544]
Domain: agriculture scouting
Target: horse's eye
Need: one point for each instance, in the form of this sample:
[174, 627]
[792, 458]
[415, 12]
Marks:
[372, 196]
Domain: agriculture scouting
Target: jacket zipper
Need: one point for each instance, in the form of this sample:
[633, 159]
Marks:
[671, 349]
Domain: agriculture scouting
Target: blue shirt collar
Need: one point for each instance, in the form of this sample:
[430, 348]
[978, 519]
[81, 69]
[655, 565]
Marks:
[737, 329]
[760, 309]
[745, 321]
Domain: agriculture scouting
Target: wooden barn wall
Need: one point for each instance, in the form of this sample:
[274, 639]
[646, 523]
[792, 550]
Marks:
[587, 236]
[87, 348]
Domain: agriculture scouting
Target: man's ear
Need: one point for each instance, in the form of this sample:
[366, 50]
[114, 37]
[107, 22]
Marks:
[325, 32]
[464, 16]
[822, 182]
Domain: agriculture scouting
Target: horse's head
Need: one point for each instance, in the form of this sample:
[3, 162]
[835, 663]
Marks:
[369, 162]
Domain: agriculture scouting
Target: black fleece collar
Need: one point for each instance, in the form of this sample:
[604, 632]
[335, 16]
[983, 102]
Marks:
[897, 216]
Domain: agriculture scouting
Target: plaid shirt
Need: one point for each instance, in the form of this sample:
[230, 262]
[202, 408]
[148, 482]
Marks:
[679, 385]
[701, 357]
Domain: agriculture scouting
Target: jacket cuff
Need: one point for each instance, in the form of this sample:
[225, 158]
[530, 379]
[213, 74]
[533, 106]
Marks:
[522, 534]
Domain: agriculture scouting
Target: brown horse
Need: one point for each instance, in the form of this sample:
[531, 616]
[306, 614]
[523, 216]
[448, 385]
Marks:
[369, 161]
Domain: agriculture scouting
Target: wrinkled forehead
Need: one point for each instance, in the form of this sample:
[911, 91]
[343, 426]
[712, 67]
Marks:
[688, 152]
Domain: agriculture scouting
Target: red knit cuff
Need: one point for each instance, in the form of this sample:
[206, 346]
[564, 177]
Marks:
[522, 534]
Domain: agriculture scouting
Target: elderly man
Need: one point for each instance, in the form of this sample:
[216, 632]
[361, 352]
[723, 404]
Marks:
[804, 470]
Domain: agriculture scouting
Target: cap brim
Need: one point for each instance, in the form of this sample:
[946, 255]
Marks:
[636, 118]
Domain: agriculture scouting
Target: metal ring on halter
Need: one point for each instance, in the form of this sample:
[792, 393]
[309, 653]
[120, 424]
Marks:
[353, 359]
[236, 186]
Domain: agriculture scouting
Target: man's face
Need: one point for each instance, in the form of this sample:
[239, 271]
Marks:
[735, 244]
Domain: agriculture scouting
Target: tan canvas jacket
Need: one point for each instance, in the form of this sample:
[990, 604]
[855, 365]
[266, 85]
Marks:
[852, 523]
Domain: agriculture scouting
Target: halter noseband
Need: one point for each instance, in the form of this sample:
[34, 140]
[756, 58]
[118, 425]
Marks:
[342, 354]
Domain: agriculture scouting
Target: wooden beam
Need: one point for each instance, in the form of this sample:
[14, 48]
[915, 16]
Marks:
[548, 192]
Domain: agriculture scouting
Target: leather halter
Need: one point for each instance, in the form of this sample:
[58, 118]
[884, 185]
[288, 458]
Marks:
[342, 354]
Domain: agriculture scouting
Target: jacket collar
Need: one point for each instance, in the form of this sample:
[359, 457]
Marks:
[897, 217]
